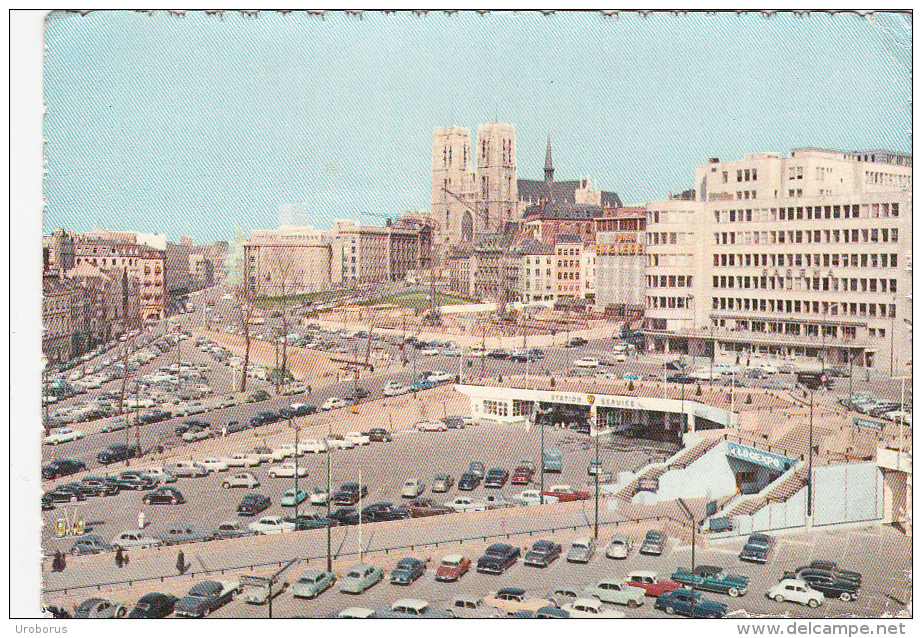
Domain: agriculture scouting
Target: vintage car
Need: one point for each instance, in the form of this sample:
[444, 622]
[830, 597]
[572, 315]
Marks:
[411, 608]
[412, 488]
[618, 547]
[612, 590]
[205, 597]
[496, 477]
[243, 479]
[465, 504]
[581, 550]
[359, 578]
[256, 590]
[532, 497]
[214, 463]
[565, 493]
[442, 482]
[293, 497]
[523, 473]
[253, 503]
[542, 553]
[512, 600]
[231, 529]
[90, 544]
[312, 583]
[62, 435]
[796, 591]
[287, 470]
[830, 583]
[468, 481]
[497, 558]
[182, 533]
[349, 494]
[153, 605]
[471, 606]
[689, 603]
[426, 507]
[243, 459]
[590, 608]
[452, 567]
[164, 495]
[650, 582]
[407, 570]
[271, 525]
[99, 608]
[712, 578]
[654, 542]
[757, 548]
[833, 567]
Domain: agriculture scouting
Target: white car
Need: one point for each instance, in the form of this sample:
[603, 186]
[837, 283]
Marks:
[532, 497]
[412, 488]
[477, 353]
[587, 362]
[395, 390]
[339, 444]
[332, 403]
[590, 608]
[358, 438]
[618, 547]
[63, 435]
[287, 470]
[429, 352]
[314, 446]
[466, 504]
[268, 455]
[271, 525]
[285, 450]
[431, 426]
[320, 495]
[767, 368]
[243, 459]
[135, 538]
[214, 463]
[437, 376]
[796, 591]
[705, 374]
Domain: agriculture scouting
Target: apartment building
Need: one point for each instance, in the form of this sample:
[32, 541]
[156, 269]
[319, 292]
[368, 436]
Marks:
[536, 271]
[805, 255]
[568, 251]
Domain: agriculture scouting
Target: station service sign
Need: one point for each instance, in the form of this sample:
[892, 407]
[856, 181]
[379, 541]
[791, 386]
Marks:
[759, 457]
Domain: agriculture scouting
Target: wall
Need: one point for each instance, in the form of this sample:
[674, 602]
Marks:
[847, 493]
[710, 474]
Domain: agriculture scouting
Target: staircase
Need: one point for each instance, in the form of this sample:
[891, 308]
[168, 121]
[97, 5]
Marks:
[783, 489]
[678, 461]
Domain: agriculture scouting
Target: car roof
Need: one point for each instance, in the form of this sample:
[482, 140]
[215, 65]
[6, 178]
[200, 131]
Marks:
[454, 558]
[642, 573]
[468, 598]
[583, 540]
[517, 591]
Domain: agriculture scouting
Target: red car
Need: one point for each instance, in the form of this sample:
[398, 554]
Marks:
[452, 567]
[566, 493]
[425, 507]
[523, 473]
[651, 583]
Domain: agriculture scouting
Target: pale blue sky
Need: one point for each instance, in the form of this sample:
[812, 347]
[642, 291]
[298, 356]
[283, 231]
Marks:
[191, 125]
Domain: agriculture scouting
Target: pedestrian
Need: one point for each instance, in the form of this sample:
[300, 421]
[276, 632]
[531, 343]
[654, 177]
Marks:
[56, 562]
[181, 563]
[142, 520]
[63, 563]
[119, 557]
[223, 431]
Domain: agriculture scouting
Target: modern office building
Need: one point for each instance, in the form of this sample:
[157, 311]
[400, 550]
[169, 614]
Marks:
[804, 255]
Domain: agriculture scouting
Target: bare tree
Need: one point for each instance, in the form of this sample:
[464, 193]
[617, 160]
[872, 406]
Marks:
[245, 312]
[285, 277]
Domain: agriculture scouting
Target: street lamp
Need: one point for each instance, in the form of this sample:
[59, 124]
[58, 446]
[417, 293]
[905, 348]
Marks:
[329, 499]
[694, 526]
[297, 427]
[810, 464]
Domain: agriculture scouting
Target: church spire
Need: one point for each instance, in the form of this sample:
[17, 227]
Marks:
[548, 163]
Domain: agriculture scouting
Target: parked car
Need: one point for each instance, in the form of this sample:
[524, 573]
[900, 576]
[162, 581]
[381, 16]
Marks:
[135, 538]
[652, 584]
[345, 516]
[587, 362]
[412, 488]
[205, 597]
[90, 544]
[712, 578]
[359, 578]
[311, 583]
[407, 570]
[431, 426]
[590, 608]
[477, 469]
[231, 529]
[293, 497]
[581, 551]
[513, 599]
[350, 493]
[197, 433]
[411, 608]
[338, 442]
[471, 606]
[421, 507]
[379, 435]
[117, 452]
[566, 493]
[757, 548]
[243, 459]
[532, 497]
[182, 533]
[62, 435]
[523, 473]
[796, 591]
[468, 481]
[833, 567]
[618, 547]
[332, 404]
[153, 605]
[242, 479]
[252, 504]
[99, 608]
[161, 495]
[654, 542]
[62, 467]
[383, 512]
[496, 477]
[320, 495]
[287, 470]
[136, 480]
[214, 463]
[613, 590]
[452, 567]
[497, 558]
[832, 584]
[465, 504]
[689, 603]
[271, 525]
[542, 553]
[310, 521]
[575, 342]
[186, 468]
[442, 482]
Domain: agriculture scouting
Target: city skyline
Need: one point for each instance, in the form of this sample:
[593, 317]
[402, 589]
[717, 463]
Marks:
[147, 128]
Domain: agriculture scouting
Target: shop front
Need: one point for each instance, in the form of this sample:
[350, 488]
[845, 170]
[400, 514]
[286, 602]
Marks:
[753, 468]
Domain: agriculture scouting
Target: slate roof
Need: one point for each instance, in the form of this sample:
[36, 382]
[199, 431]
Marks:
[533, 190]
[561, 210]
[568, 238]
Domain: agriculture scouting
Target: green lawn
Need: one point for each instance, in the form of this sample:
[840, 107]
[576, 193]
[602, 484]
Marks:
[419, 300]
[289, 300]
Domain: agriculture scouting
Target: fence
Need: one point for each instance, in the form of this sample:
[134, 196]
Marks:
[383, 550]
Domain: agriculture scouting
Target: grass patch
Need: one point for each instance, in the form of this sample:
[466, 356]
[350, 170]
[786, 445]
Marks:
[280, 301]
[419, 300]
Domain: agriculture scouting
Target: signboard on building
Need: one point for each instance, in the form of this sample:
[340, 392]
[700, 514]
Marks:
[865, 423]
[759, 457]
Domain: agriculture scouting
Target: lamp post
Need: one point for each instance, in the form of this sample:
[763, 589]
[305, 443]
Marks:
[694, 526]
[329, 499]
[810, 465]
[297, 493]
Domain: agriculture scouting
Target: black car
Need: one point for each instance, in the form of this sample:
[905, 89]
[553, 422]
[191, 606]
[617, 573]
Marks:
[499, 353]
[47, 502]
[468, 482]
[496, 477]
[356, 394]
[345, 516]
[262, 418]
[575, 342]
[535, 353]
[63, 494]
[118, 452]
[680, 378]
[62, 467]
[407, 570]
[542, 553]
[829, 565]
[497, 558]
[136, 480]
[757, 548]
[185, 426]
[155, 416]
[453, 422]
[379, 435]
[252, 504]
[310, 521]
[349, 494]
[164, 495]
[101, 485]
[383, 512]
[832, 584]
[153, 605]
[236, 426]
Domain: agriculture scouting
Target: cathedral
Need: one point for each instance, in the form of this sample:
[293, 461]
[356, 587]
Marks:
[468, 203]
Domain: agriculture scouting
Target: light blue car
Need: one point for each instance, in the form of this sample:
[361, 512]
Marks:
[359, 578]
[290, 498]
[312, 583]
